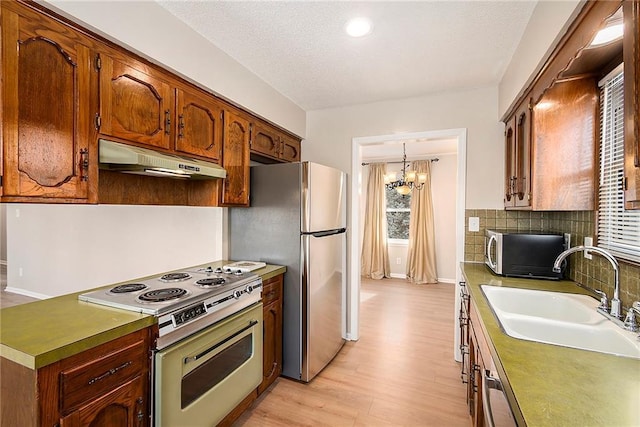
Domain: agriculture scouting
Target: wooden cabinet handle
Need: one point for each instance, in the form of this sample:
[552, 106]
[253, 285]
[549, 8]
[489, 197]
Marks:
[167, 122]
[181, 126]
[140, 414]
[84, 164]
[110, 372]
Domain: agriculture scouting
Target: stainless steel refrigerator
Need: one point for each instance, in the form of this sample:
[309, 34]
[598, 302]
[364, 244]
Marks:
[297, 218]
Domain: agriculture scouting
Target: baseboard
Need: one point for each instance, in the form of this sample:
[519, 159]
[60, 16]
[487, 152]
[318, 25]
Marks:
[26, 293]
[440, 280]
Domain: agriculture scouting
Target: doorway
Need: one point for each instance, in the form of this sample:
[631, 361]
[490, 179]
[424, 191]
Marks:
[361, 145]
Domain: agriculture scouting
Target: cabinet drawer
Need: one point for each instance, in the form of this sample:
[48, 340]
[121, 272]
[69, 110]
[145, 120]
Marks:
[98, 376]
[271, 290]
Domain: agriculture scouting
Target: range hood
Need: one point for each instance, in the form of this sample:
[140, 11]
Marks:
[141, 161]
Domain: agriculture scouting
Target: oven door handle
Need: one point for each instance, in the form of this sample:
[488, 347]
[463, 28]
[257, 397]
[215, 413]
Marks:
[217, 345]
[489, 383]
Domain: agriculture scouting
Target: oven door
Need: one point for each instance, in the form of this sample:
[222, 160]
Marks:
[200, 379]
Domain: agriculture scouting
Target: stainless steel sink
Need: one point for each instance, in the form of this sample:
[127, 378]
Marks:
[558, 318]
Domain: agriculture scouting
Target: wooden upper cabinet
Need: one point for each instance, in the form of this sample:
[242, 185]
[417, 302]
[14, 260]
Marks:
[199, 125]
[631, 52]
[48, 151]
[522, 193]
[518, 159]
[265, 140]
[509, 163]
[564, 129]
[290, 149]
[235, 159]
[135, 104]
[268, 142]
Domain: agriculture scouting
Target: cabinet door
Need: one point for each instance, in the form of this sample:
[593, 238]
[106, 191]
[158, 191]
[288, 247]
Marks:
[474, 387]
[272, 331]
[199, 125]
[522, 159]
[272, 350]
[564, 146]
[290, 149]
[124, 406]
[235, 159]
[509, 164]
[46, 99]
[631, 49]
[265, 141]
[135, 104]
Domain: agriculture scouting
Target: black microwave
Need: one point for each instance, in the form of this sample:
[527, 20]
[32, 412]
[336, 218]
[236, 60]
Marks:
[531, 255]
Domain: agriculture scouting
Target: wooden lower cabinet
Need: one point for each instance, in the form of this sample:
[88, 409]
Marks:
[107, 385]
[481, 374]
[272, 331]
[124, 406]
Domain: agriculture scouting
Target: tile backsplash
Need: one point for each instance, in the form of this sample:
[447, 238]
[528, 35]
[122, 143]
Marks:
[595, 273]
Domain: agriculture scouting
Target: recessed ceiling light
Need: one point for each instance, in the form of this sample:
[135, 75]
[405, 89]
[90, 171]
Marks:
[608, 34]
[358, 27]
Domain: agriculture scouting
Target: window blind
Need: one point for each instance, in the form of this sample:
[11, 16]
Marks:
[618, 230]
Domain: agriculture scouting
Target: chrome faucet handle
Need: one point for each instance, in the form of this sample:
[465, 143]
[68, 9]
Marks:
[630, 321]
[604, 301]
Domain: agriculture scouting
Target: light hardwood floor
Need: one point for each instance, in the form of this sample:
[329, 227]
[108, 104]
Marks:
[400, 372]
[8, 299]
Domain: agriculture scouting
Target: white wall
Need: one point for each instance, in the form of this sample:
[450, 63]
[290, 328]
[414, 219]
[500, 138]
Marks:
[330, 131]
[58, 249]
[548, 23]
[150, 30]
[443, 194]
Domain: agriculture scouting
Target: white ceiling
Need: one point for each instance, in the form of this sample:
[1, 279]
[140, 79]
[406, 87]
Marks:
[416, 48]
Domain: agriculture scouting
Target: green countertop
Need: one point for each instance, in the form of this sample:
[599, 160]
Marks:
[40, 333]
[549, 385]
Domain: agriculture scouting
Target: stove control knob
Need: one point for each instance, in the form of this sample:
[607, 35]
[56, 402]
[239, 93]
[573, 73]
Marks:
[208, 269]
[237, 294]
[249, 289]
[218, 270]
[238, 272]
[227, 270]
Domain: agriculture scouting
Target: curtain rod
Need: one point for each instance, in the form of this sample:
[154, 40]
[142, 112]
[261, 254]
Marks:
[435, 159]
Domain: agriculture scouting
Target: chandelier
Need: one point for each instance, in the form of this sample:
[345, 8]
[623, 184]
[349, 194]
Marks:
[407, 180]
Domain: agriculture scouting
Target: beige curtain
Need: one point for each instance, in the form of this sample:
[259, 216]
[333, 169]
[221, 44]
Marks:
[421, 257]
[375, 258]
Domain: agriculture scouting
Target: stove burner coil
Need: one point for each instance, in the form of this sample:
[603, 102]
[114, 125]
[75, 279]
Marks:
[175, 277]
[162, 295]
[210, 282]
[129, 287]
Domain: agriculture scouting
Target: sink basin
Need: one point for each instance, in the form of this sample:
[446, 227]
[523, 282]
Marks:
[558, 318]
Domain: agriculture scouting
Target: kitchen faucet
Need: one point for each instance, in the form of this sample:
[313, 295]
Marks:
[615, 302]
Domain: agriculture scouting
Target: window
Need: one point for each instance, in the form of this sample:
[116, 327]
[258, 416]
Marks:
[398, 214]
[618, 230]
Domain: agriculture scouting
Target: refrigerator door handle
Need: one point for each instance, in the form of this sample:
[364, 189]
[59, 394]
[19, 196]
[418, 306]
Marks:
[326, 233]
